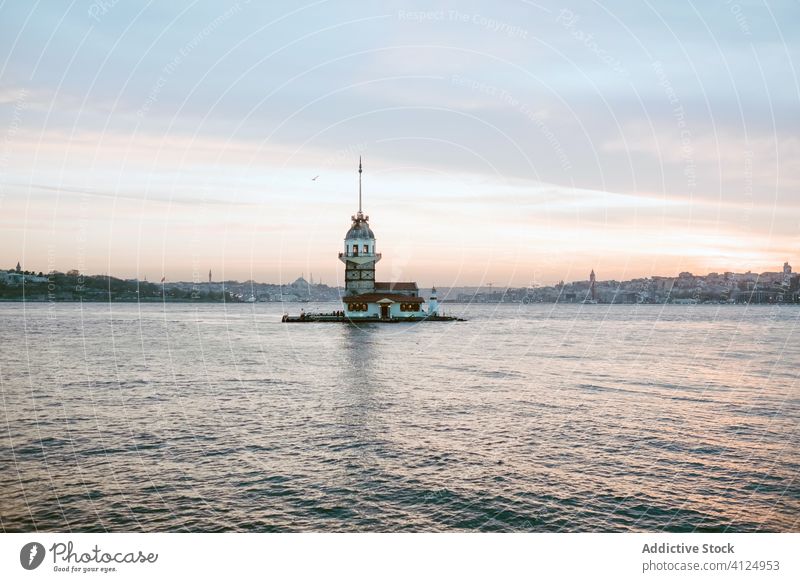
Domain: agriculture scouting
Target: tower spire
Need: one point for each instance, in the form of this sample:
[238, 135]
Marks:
[359, 184]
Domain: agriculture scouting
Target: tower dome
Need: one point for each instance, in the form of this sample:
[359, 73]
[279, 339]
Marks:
[360, 228]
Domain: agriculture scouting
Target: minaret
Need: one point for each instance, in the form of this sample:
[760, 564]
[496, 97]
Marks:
[359, 254]
[592, 284]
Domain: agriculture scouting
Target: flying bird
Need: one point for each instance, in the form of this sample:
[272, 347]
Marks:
[314, 178]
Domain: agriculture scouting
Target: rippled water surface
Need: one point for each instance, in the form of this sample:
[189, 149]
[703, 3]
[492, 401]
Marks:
[525, 418]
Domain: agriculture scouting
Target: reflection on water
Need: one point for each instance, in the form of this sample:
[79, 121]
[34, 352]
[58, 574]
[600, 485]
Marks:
[525, 418]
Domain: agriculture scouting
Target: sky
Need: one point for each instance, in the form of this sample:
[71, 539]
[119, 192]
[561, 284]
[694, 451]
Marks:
[509, 142]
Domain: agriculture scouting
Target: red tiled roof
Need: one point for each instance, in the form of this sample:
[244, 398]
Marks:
[396, 286]
[375, 297]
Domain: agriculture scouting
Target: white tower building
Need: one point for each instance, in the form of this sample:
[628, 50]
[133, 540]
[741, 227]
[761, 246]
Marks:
[433, 303]
[359, 254]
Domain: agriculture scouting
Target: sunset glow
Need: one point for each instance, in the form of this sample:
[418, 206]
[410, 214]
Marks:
[141, 150]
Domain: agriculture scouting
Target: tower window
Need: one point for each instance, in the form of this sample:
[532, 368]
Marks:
[366, 249]
[355, 250]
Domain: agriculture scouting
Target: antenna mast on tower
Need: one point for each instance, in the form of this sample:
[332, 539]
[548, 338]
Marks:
[359, 185]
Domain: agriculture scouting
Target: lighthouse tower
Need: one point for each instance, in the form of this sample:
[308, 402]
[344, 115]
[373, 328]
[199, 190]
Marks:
[359, 254]
[592, 285]
[433, 303]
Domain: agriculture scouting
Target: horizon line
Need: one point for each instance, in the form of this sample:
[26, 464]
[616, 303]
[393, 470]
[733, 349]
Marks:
[302, 276]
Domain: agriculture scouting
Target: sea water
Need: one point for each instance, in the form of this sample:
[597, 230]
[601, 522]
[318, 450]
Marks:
[179, 417]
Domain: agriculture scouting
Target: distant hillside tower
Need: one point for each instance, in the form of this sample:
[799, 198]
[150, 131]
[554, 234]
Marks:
[359, 254]
[592, 285]
[787, 274]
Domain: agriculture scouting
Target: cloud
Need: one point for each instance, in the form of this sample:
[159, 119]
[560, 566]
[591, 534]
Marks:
[519, 147]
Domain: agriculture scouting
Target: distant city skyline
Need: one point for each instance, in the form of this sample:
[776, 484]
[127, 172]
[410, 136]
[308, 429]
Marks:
[311, 279]
[502, 144]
